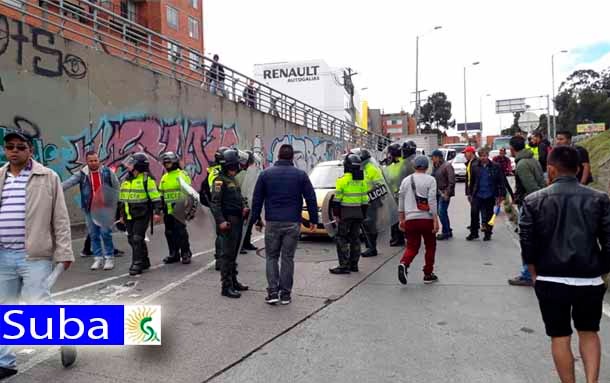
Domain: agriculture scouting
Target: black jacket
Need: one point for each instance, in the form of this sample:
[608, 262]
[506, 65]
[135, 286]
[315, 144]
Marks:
[497, 176]
[565, 230]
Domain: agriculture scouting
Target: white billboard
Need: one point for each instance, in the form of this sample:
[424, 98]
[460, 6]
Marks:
[510, 106]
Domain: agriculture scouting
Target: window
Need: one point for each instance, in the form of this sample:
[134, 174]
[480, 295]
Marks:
[193, 28]
[194, 3]
[172, 17]
[128, 10]
[14, 3]
[173, 52]
[194, 60]
[393, 122]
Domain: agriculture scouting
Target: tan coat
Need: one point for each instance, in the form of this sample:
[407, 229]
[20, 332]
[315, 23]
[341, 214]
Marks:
[47, 224]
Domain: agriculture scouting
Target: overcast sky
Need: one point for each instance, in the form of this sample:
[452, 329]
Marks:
[513, 40]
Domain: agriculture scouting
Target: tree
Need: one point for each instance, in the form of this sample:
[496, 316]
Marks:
[583, 97]
[436, 112]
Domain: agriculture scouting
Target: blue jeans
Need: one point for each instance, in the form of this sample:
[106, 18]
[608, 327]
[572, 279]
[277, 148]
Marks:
[98, 235]
[443, 215]
[21, 280]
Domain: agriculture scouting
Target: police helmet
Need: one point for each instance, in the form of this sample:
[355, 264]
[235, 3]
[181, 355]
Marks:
[352, 162]
[409, 148]
[364, 154]
[230, 159]
[169, 157]
[394, 150]
[139, 161]
[218, 158]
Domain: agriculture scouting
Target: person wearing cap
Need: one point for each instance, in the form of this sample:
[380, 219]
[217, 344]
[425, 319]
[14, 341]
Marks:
[445, 183]
[34, 231]
[417, 209]
[485, 190]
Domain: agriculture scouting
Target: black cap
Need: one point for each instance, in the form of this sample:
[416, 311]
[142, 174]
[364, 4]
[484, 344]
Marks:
[16, 134]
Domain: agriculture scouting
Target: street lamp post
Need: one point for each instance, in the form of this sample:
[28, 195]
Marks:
[481, 109]
[465, 109]
[553, 85]
[417, 98]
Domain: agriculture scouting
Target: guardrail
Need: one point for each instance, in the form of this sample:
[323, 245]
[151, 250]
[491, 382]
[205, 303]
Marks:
[99, 26]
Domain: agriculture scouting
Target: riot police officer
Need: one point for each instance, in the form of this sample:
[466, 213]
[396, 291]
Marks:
[139, 200]
[374, 179]
[229, 209]
[350, 208]
[171, 192]
[401, 166]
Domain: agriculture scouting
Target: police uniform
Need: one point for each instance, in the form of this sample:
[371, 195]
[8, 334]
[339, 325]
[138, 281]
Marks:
[175, 231]
[213, 172]
[350, 204]
[139, 200]
[373, 178]
[397, 171]
[227, 205]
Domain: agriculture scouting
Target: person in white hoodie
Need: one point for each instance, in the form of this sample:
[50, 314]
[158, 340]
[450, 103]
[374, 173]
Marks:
[417, 209]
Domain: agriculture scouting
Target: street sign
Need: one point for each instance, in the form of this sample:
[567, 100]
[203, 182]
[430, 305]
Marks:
[510, 105]
[528, 122]
[591, 128]
[472, 126]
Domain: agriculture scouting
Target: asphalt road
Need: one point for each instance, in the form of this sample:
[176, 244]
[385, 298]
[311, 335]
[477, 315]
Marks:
[365, 327]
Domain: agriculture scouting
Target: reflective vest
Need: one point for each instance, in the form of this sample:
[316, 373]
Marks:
[170, 189]
[350, 192]
[372, 175]
[395, 170]
[133, 192]
[534, 150]
[213, 172]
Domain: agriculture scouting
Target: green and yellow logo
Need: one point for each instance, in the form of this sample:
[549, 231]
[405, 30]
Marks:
[143, 325]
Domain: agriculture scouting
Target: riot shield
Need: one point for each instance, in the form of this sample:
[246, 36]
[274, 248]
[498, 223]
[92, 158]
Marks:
[383, 208]
[104, 206]
[247, 181]
[328, 220]
[187, 206]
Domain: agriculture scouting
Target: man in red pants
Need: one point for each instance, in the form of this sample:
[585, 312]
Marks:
[417, 210]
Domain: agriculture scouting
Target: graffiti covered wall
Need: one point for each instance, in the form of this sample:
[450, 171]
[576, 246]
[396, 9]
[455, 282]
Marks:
[73, 98]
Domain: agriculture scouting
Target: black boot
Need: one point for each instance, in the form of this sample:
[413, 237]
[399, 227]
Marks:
[229, 291]
[238, 286]
[185, 257]
[372, 251]
[340, 270]
[171, 258]
[146, 264]
[136, 268]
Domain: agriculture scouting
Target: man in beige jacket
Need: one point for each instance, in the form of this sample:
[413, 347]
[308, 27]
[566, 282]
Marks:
[34, 231]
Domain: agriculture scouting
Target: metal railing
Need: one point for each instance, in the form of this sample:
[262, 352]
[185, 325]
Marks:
[98, 26]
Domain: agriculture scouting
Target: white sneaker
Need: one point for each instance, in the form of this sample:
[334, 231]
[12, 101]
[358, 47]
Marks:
[97, 264]
[109, 263]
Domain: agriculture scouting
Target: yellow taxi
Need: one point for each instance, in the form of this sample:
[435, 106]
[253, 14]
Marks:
[323, 178]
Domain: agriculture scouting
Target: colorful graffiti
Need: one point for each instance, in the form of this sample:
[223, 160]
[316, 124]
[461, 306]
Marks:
[195, 142]
[42, 153]
[308, 151]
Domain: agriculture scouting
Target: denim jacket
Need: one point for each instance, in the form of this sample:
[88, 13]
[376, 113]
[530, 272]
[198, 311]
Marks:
[83, 179]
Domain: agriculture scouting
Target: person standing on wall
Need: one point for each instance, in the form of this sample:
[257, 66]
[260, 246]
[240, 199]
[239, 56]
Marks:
[34, 231]
[216, 76]
[445, 182]
[374, 178]
[250, 94]
[350, 207]
[564, 138]
[139, 200]
[281, 189]
[565, 242]
[417, 211]
[171, 192]
[229, 209]
[95, 180]
[485, 191]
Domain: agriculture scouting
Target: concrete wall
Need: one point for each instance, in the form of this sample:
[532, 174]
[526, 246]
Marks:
[73, 98]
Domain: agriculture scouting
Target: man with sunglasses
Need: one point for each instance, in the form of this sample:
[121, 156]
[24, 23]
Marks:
[34, 231]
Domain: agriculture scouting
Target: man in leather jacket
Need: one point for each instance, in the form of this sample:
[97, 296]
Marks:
[565, 241]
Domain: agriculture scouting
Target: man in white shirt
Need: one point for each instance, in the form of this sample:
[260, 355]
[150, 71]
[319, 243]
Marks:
[565, 242]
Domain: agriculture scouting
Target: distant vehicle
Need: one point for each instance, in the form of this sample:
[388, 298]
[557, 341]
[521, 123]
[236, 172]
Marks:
[323, 178]
[459, 167]
[459, 148]
[448, 153]
[501, 142]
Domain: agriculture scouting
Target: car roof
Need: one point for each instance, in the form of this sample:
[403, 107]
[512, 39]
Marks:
[330, 163]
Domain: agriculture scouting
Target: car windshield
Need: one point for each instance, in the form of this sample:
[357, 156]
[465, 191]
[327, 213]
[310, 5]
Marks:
[325, 177]
[460, 159]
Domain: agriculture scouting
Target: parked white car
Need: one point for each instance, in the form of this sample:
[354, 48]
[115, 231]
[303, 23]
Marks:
[459, 167]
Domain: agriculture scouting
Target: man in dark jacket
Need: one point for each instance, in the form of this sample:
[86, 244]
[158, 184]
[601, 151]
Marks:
[282, 189]
[445, 182]
[216, 77]
[565, 241]
[539, 148]
[485, 190]
[528, 179]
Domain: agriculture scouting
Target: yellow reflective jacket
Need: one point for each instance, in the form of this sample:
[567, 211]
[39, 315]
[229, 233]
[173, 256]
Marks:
[170, 189]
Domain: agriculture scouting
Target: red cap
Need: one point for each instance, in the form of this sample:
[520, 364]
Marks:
[470, 149]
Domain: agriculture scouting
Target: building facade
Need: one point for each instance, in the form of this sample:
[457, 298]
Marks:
[398, 125]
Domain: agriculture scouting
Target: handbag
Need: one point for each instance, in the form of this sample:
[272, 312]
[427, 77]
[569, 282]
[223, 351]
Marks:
[421, 202]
